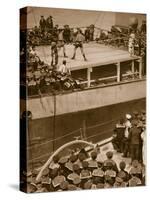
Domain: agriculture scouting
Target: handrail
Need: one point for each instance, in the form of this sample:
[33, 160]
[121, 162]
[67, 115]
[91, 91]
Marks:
[90, 88]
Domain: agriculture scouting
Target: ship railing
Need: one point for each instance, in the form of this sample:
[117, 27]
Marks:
[131, 75]
[119, 77]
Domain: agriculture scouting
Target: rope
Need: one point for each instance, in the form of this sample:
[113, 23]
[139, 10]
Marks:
[101, 124]
[101, 133]
[71, 133]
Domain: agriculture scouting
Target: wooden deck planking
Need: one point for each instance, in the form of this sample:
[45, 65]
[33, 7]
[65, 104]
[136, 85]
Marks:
[96, 54]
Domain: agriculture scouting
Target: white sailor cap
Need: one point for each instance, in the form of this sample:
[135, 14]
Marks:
[128, 116]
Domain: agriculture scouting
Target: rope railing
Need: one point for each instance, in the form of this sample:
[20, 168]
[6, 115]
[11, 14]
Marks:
[102, 124]
[73, 132]
[53, 140]
[101, 133]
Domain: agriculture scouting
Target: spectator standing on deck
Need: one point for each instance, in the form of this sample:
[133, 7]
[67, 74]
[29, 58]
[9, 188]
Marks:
[87, 34]
[131, 44]
[143, 27]
[118, 140]
[126, 135]
[91, 32]
[49, 23]
[79, 44]
[134, 137]
[42, 24]
[143, 137]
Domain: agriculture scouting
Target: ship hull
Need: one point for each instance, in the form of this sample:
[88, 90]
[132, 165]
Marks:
[93, 115]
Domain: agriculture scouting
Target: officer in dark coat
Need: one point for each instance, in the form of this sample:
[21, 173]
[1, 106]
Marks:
[143, 26]
[87, 34]
[42, 24]
[134, 138]
[49, 23]
[118, 139]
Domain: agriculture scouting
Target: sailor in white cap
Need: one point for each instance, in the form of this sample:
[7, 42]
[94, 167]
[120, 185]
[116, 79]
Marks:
[126, 134]
[131, 44]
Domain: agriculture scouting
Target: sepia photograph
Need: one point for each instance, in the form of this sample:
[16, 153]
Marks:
[82, 99]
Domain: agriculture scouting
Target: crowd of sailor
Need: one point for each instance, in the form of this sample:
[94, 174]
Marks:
[81, 169]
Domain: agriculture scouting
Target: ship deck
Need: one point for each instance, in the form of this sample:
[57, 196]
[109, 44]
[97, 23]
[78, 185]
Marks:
[97, 55]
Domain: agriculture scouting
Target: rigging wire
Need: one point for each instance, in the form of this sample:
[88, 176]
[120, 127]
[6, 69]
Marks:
[101, 133]
[75, 131]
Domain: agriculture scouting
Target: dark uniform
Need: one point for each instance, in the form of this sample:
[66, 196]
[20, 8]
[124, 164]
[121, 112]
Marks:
[143, 27]
[98, 176]
[118, 140]
[134, 138]
[49, 24]
[109, 163]
[66, 34]
[122, 173]
[42, 24]
[87, 34]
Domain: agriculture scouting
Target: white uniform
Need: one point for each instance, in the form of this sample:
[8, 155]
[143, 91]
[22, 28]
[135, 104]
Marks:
[128, 126]
[143, 137]
[131, 44]
[63, 69]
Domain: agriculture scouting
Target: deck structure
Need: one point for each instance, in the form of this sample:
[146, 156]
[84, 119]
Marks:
[97, 55]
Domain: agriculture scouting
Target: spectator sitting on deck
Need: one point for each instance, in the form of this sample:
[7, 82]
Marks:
[109, 159]
[63, 69]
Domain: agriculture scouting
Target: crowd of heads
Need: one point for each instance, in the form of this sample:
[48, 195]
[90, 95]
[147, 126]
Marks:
[41, 78]
[47, 32]
[44, 78]
[83, 170]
